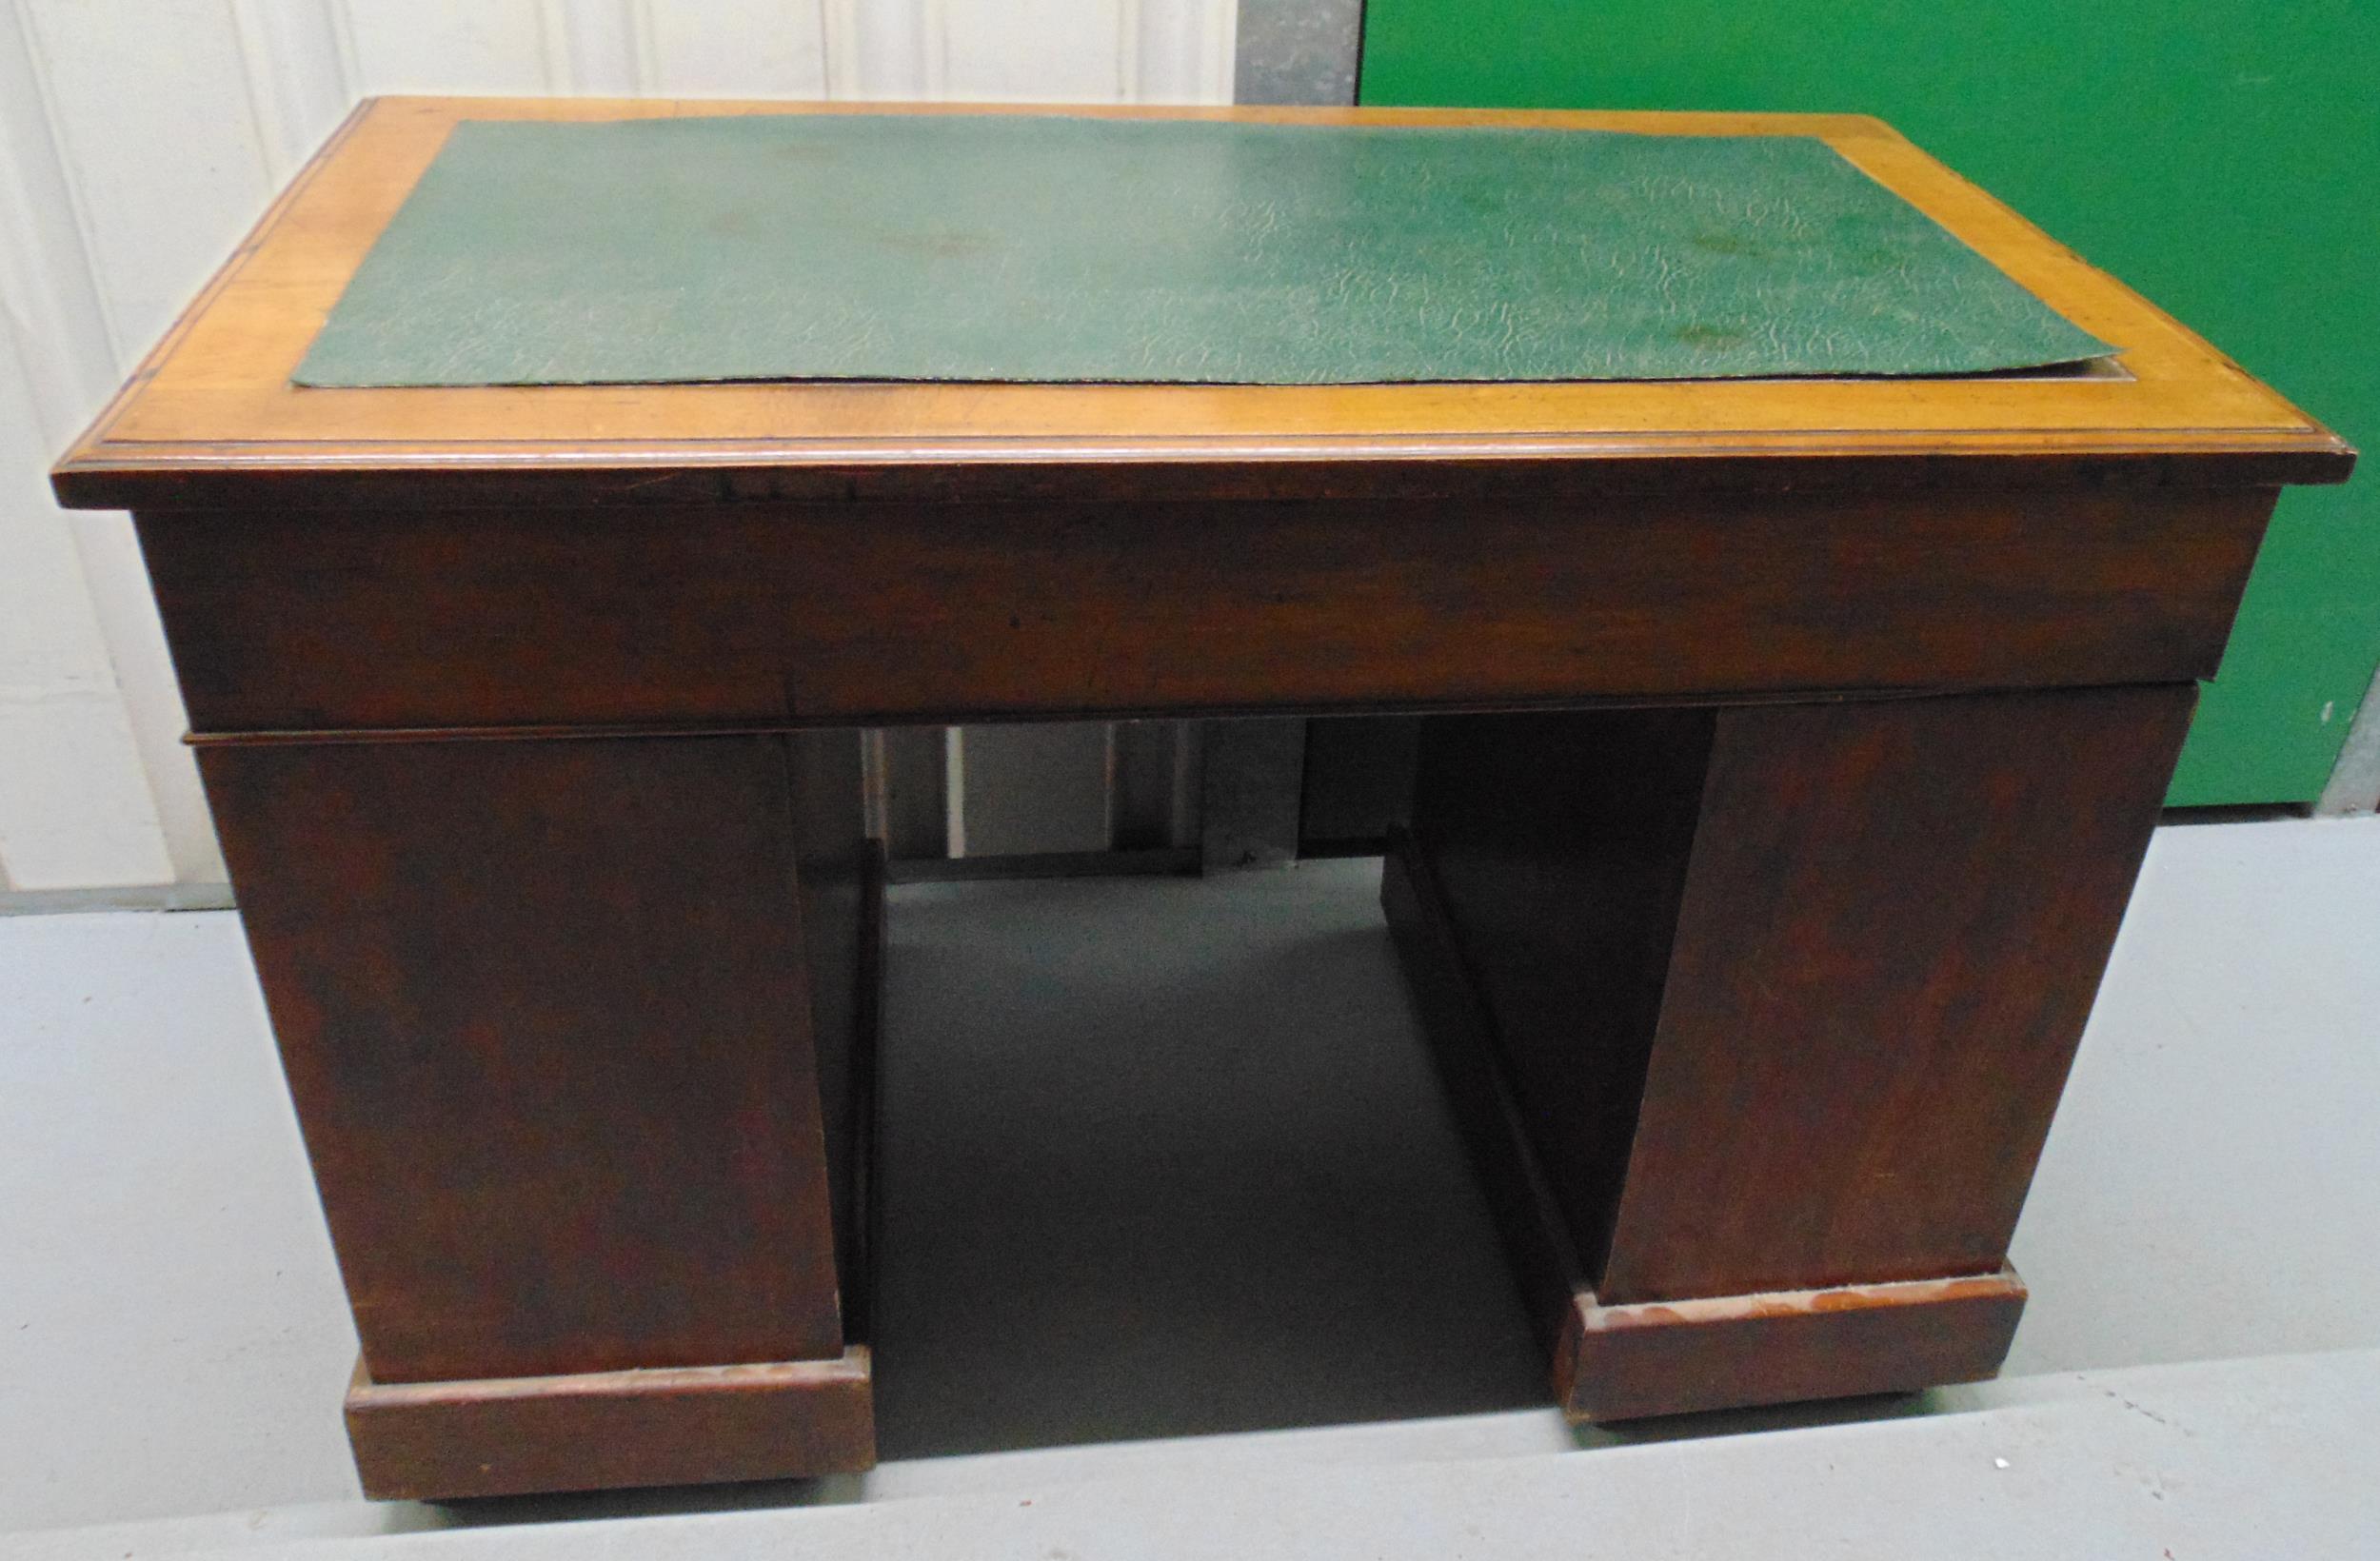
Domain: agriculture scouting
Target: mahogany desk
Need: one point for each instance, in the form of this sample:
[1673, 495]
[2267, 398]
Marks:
[1792, 748]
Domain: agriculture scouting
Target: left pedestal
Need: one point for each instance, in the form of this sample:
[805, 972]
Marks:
[579, 1033]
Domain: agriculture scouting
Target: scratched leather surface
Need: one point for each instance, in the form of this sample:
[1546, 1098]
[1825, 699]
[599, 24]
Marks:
[1048, 248]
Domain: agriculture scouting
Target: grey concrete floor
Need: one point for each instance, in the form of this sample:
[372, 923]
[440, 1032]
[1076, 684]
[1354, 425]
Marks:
[1171, 1207]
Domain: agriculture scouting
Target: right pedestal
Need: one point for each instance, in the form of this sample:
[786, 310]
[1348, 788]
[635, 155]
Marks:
[1755, 1016]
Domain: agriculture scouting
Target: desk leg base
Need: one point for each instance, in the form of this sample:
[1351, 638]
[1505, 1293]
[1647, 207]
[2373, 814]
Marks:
[438, 1441]
[1623, 1362]
[1732, 1352]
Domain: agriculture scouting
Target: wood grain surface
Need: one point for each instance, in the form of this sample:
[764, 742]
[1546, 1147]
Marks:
[289, 619]
[1466, 1047]
[1786, 996]
[1785, 970]
[544, 1014]
[1628, 1361]
[444, 1441]
[1557, 847]
[836, 922]
[1894, 923]
[212, 413]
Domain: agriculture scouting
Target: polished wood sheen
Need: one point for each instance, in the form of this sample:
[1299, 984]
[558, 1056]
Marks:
[439, 1441]
[545, 1012]
[1786, 751]
[1557, 846]
[1674, 1357]
[1906, 907]
[1617, 1361]
[212, 415]
[1769, 999]
[839, 908]
[287, 620]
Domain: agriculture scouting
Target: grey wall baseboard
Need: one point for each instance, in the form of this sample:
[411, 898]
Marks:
[2355, 780]
[1251, 786]
[152, 897]
[1297, 52]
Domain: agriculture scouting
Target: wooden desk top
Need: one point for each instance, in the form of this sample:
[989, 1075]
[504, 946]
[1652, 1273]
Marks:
[211, 417]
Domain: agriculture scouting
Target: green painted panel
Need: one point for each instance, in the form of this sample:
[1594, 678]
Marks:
[2223, 156]
[1047, 249]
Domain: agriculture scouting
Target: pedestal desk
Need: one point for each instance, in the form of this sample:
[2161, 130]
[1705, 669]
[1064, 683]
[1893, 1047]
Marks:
[1790, 750]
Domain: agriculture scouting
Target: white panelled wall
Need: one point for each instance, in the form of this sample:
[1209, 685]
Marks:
[139, 138]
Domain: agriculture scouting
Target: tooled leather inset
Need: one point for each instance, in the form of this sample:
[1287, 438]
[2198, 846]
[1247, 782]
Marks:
[1047, 248]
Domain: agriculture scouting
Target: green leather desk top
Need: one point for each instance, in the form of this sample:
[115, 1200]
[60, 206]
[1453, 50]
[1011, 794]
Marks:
[1037, 248]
